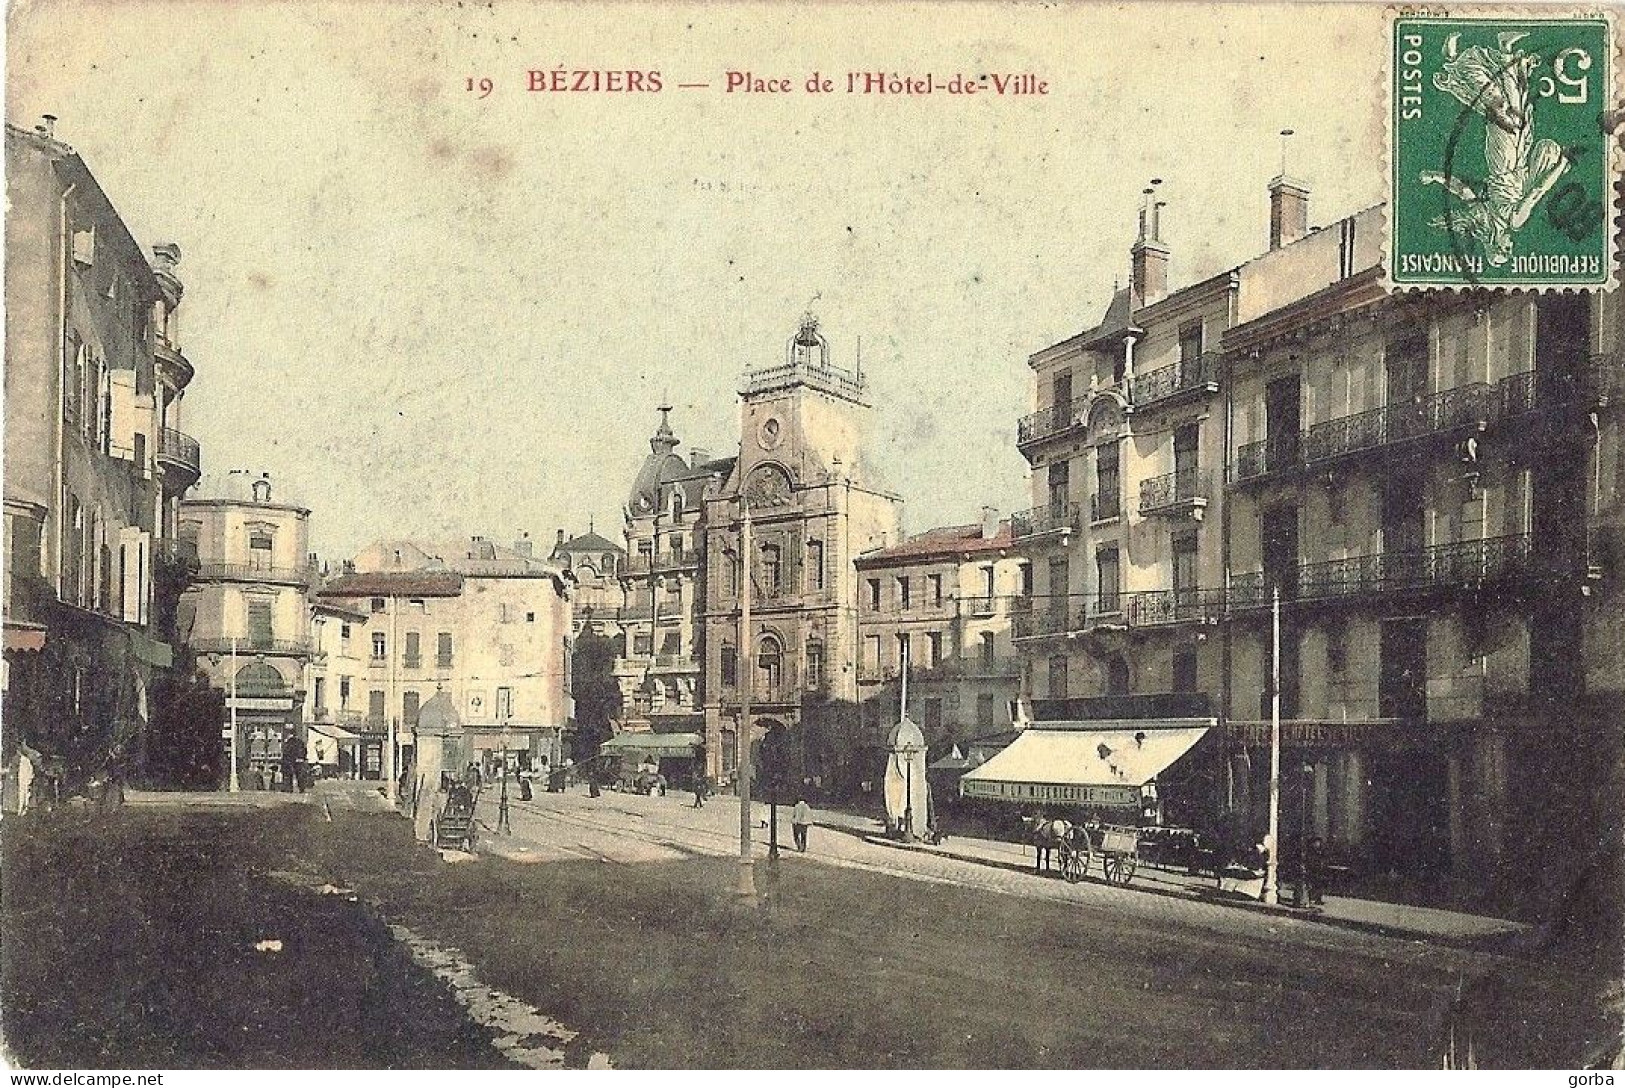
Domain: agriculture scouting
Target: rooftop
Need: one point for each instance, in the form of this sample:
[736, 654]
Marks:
[411, 583]
[946, 542]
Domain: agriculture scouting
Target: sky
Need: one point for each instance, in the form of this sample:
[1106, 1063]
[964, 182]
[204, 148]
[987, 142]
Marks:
[432, 314]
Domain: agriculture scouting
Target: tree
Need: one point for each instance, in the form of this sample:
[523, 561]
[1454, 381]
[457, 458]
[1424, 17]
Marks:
[597, 694]
[184, 749]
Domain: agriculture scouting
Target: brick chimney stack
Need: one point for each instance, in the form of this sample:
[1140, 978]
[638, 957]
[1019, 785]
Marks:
[1148, 275]
[990, 522]
[1289, 211]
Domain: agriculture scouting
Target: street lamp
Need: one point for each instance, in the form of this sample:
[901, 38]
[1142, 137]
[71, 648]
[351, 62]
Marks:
[502, 808]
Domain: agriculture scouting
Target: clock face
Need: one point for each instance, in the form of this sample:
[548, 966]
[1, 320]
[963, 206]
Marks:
[770, 433]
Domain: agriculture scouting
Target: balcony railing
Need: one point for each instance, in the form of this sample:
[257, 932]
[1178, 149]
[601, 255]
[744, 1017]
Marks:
[634, 612]
[178, 552]
[1464, 563]
[1051, 421]
[676, 662]
[782, 689]
[683, 560]
[1268, 457]
[641, 563]
[248, 572]
[1185, 376]
[1188, 487]
[1077, 612]
[1439, 413]
[180, 450]
[979, 606]
[954, 668]
[249, 646]
[828, 378]
[1105, 505]
[1056, 517]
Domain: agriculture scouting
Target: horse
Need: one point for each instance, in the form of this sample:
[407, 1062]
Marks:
[1046, 834]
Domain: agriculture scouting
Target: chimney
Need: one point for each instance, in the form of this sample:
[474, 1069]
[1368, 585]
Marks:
[1289, 211]
[1148, 276]
[523, 545]
[47, 126]
[990, 522]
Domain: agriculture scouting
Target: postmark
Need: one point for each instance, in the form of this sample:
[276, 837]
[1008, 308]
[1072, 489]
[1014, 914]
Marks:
[1501, 158]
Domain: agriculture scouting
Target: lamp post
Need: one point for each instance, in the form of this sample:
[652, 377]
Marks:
[1272, 871]
[235, 786]
[747, 874]
[502, 807]
[1305, 784]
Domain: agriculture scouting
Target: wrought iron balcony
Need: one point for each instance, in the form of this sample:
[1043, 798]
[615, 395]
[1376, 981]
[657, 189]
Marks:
[1051, 421]
[1198, 375]
[247, 646]
[1056, 517]
[640, 563]
[678, 560]
[1464, 563]
[1186, 490]
[173, 367]
[1531, 390]
[249, 572]
[1267, 458]
[180, 452]
[1440, 413]
[675, 663]
[979, 606]
[1079, 612]
[1105, 505]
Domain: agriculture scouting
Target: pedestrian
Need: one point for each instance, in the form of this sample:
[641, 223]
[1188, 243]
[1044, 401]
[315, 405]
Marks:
[800, 820]
[1315, 871]
[699, 791]
[26, 770]
[290, 763]
[524, 786]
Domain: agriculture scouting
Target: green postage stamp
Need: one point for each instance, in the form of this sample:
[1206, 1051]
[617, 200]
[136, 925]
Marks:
[1502, 151]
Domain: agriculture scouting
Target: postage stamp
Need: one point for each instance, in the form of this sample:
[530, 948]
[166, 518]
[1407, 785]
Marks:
[1501, 156]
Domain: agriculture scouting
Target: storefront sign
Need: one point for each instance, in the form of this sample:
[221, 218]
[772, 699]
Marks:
[1104, 796]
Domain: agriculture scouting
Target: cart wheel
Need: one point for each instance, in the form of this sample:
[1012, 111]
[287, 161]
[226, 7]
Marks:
[1119, 868]
[1072, 863]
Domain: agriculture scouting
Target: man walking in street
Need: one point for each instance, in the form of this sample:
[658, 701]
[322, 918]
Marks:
[699, 791]
[800, 821]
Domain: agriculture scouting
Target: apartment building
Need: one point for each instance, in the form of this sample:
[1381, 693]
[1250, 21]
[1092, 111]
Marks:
[940, 605]
[94, 463]
[594, 564]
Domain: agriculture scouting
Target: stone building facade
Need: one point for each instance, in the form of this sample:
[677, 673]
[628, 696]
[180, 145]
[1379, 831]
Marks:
[595, 565]
[1432, 482]
[804, 477]
[944, 601]
[95, 464]
[245, 614]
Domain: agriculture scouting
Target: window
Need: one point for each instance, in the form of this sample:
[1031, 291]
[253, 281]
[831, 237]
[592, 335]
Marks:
[1190, 343]
[1057, 677]
[871, 654]
[416, 604]
[1108, 500]
[1184, 553]
[412, 656]
[815, 665]
[530, 617]
[504, 703]
[1116, 675]
[987, 647]
[987, 581]
[344, 633]
[411, 701]
[1061, 397]
[1026, 579]
[769, 667]
[260, 546]
[1106, 574]
[815, 564]
[259, 624]
[1185, 668]
[379, 649]
[375, 707]
[643, 645]
[933, 645]
[872, 586]
[933, 586]
[730, 666]
[344, 692]
[984, 709]
[443, 650]
[903, 591]
[772, 570]
[319, 694]
[1059, 482]
[377, 604]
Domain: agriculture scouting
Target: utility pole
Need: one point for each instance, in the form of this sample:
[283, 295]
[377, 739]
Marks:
[1272, 868]
[235, 786]
[390, 773]
[908, 761]
[747, 676]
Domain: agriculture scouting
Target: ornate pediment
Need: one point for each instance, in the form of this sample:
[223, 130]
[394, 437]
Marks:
[768, 485]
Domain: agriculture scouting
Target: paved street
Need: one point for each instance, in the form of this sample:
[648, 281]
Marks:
[613, 931]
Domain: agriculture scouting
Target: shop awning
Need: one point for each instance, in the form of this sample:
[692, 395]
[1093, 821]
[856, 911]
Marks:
[1102, 763]
[656, 745]
[25, 637]
[338, 733]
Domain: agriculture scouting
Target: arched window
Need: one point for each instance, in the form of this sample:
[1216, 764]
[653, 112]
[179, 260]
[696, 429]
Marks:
[769, 666]
[772, 583]
[260, 679]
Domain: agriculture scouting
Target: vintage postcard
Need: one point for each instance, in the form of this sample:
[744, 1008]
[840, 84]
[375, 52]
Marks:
[894, 536]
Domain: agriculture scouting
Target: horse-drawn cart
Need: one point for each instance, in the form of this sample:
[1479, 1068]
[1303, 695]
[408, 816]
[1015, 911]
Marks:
[454, 824]
[1077, 844]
